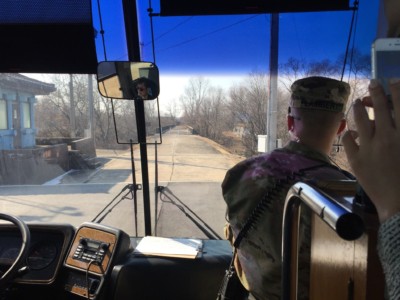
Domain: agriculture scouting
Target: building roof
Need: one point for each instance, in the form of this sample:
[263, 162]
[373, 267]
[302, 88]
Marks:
[26, 84]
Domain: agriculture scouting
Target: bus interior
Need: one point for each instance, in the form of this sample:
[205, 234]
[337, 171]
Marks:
[82, 162]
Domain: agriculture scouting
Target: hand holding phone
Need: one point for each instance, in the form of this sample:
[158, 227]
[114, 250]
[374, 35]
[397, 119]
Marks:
[385, 58]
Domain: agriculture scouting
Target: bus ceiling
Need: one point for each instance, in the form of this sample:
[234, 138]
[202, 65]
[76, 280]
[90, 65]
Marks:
[47, 36]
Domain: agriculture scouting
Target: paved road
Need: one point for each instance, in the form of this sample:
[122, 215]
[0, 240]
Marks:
[190, 168]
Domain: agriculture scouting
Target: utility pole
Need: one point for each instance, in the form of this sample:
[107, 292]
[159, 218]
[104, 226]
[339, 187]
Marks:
[72, 106]
[90, 107]
[273, 83]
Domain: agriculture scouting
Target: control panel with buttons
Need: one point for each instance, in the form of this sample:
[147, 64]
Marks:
[94, 251]
[90, 250]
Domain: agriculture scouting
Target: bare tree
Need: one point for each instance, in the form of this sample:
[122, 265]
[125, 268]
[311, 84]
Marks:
[53, 111]
[125, 121]
[358, 73]
[248, 103]
[324, 67]
[292, 70]
[192, 100]
[295, 69]
[283, 104]
[213, 114]
[172, 109]
[80, 84]
[204, 108]
[104, 129]
[50, 119]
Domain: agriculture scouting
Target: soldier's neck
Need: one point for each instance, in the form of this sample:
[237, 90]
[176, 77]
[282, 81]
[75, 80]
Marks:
[320, 145]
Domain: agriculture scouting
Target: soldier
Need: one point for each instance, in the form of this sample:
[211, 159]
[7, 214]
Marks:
[255, 189]
[144, 88]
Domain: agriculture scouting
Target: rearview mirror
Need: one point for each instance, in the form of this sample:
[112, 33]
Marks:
[128, 80]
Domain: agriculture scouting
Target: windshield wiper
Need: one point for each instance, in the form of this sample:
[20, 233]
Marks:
[132, 190]
[174, 200]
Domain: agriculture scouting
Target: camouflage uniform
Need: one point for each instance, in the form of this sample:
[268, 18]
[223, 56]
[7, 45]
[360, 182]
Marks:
[388, 250]
[258, 262]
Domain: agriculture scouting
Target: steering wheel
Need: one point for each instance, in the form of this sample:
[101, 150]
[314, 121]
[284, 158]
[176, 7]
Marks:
[23, 252]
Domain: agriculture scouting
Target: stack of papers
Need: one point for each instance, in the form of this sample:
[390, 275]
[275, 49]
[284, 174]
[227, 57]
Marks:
[169, 247]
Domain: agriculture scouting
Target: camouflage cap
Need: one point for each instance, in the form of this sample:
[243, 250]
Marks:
[320, 93]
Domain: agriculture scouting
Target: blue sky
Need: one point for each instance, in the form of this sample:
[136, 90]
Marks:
[237, 43]
[240, 43]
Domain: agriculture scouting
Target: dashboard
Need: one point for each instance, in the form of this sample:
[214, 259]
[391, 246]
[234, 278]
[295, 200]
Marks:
[48, 246]
[63, 262]
[97, 262]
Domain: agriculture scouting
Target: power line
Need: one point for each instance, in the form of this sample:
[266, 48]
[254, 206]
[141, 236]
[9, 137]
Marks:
[209, 33]
[171, 30]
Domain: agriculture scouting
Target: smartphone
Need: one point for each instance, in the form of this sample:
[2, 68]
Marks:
[385, 61]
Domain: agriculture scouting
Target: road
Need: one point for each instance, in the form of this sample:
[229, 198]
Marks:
[190, 169]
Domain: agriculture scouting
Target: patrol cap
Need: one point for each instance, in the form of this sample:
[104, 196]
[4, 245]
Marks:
[320, 93]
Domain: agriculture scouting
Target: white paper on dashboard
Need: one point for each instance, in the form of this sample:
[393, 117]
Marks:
[169, 247]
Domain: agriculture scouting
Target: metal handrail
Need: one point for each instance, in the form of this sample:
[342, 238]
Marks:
[343, 221]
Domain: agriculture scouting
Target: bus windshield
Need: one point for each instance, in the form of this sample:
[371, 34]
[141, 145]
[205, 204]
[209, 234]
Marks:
[69, 153]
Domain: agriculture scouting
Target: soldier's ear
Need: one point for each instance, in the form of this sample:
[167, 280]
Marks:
[290, 123]
[342, 126]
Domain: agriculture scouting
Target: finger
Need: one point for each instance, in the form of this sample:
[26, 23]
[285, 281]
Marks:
[367, 101]
[350, 146]
[383, 119]
[364, 128]
[395, 91]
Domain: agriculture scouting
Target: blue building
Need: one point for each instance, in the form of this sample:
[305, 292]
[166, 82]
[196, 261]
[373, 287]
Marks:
[17, 113]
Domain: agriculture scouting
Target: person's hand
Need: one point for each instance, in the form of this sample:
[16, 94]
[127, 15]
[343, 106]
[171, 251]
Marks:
[375, 156]
[392, 9]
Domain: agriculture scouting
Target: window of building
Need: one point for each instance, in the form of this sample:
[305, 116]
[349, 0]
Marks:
[3, 114]
[27, 115]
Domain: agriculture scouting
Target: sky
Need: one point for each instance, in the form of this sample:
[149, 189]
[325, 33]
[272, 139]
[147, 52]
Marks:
[226, 48]
[234, 43]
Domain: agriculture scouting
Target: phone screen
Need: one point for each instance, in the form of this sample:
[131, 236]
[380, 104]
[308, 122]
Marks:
[387, 67]
[386, 62]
